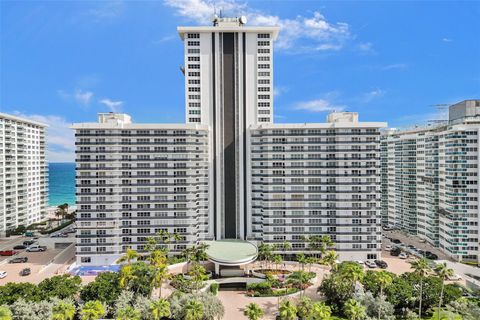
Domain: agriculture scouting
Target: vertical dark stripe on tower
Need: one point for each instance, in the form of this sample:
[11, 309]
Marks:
[244, 138]
[229, 152]
[214, 132]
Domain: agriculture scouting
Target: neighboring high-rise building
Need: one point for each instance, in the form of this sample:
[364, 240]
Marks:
[229, 172]
[430, 181]
[23, 172]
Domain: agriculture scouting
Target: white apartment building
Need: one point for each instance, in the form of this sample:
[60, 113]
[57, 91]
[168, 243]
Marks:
[430, 181]
[228, 172]
[23, 172]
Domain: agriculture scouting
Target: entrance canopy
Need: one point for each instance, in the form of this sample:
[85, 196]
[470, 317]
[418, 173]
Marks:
[231, 252]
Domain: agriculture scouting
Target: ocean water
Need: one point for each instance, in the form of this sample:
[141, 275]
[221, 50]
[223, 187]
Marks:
[61, 183]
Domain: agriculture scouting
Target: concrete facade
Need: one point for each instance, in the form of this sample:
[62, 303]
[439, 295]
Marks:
[23, 172]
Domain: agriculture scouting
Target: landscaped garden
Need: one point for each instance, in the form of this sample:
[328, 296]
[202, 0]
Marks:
[343, 291]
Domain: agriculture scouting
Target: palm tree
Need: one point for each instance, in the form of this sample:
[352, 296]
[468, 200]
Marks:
[326, 243]
[298, 279]
[301, 259]
[384, 279]
[304, 308]
[198, 274]
[194, 310]
[353, 273]
[286, 246]
[329, 258]
[310, 261]
[444, 273]
[130, 255]
[264, 252]
[320, 311]
[287, 311]
[354, 310]
[5, 313]
[160, 274]
[128, 313]
[63, 311]
[126, 274]
[160, 309]
[253, 311]
[421, 268]
[92, 310]
[277, 259]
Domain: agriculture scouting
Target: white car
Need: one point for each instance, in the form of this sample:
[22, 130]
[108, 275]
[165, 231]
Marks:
[388, 247]
[454, 277]
[360, 262]
[3, 274]
[370, 264]
[403, 255]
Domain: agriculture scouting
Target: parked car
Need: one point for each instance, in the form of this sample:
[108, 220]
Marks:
[395, 251]
[19, 247]
[25, 272]
[381, 264]
[396, 241]
[403, 255]
[411, 246]
[370, 264]
[28, 234]
[360, 262]
[36, 248]
[431, 256]
[422, 240]
[28, 242]
[388, 247]
[3, 274]
[454, 277]
[8, 252]
[18, 260]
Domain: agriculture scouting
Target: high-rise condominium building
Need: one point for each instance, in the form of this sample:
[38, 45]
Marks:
[229, 172]
[430, 181]
[23, 172]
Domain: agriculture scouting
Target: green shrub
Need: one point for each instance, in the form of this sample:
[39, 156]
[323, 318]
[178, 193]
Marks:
[214, 288]
[264, 287]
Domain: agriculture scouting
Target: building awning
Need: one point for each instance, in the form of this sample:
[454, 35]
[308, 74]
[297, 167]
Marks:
[231, 252]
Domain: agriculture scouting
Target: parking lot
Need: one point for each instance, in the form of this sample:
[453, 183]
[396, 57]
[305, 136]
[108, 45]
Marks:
[42, 264]
[412, 240]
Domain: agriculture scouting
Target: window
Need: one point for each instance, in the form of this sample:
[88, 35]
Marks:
[85, 260]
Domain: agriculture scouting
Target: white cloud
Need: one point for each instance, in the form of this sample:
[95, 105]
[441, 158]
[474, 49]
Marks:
[60, 138]
[114, 106]
[377, 93]
[164, 39]
[319, 105]
[299, 34]
[83, 98]
[107, 9]
[447, 40]
[277, 91]
[366, 48]
[395, 66]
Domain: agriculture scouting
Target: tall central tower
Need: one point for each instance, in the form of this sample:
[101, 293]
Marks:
[229, 87]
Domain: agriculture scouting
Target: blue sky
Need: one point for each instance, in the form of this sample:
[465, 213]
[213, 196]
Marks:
[62, 62]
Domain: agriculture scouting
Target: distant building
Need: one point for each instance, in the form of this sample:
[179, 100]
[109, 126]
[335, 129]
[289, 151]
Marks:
[229, 172]
[23, 172]
[430, 181]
